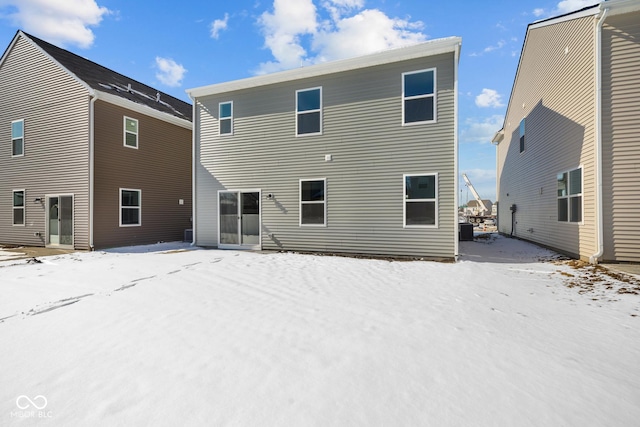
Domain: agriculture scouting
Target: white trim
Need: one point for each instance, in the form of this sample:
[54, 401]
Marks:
[92, 117]
[404, 200]
[23, 207]
[12, 138]
[220, 118]
[125, 132]
[47, 237]
[569, 196]
[240, 245]
[143, 109]
[456, 176]
[318, 110]
[312, 202]
[139, 207]
[434, 96]
[194, 173]
[420, 50]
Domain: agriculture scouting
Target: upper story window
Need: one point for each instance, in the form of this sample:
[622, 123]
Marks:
[309, 111]
[17, 138]
[130, 207]
[225, 110]
[522, 135]
[18, 207]
[570, 196]
[313, 202]
[130, 132]
[420, 200]
[419, 96]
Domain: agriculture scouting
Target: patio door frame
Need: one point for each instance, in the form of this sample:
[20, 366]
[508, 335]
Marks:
[47, 215]
[240, 244]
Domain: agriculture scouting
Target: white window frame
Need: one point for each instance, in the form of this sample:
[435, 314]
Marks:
[432, 95]
[23, 207]
[309, 202]
[136, 133]
[130, 207]
[318, 110]
[405, 200]
[568, 197]
[220, 118]
[13, 139]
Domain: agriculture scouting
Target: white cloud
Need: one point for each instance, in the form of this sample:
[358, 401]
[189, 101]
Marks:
[499, 45]
[219, 25]
[169, 72]
[538, 12]
[489, 98]
[61, 22]
[566, 6]
[482, 132]
[297, 35]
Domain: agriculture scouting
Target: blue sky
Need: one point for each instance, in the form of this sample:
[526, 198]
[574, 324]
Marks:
[174, 46]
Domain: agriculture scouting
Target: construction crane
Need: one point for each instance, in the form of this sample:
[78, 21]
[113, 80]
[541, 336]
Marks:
[483, 210]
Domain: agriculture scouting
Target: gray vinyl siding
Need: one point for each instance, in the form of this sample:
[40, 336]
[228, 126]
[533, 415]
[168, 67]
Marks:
[554, 90]
[621, 137]
[362, 130]
[55, 108]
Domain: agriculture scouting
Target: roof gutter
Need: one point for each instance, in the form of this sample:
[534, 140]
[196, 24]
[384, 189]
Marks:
[593, 259]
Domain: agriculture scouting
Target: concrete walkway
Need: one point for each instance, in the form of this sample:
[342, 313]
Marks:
[24, 252]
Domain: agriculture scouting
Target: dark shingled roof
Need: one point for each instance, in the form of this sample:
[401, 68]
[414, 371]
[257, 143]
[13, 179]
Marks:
[105, 80]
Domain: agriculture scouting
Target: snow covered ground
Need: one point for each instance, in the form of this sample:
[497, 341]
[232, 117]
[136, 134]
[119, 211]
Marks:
[168, 335]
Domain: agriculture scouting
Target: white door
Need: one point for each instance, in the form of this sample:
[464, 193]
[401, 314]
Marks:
[239, 219]
[60, 220]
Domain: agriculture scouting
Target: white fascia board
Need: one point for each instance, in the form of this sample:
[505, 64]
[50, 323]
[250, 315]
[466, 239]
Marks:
[618, 7]
[429, 48]
[143, 109]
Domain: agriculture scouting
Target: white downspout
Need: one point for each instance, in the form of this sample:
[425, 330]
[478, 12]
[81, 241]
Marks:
[456, 58]
[94, 97]
[194, 161]
[599, 208]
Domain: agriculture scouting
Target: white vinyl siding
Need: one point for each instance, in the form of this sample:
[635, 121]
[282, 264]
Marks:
[18, 207]
[313, 202]
[309, 111]
[130, 207]
[17, 138]
[419, 102]
[130, 132]
[225, 114]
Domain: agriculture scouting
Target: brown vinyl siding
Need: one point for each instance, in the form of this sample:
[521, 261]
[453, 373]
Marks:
[621, 136]
[554, 90]
[362, 130]
[55, 107]
[160, 168]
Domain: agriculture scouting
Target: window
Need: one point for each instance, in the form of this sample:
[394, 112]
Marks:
[420, 200]
[130, 132]
[418, 96]
[130, 207]
[18, 207]
[570, 196]
[309, 111]
[226, 118]
[313, 202]
[17, 138]
[522, 135]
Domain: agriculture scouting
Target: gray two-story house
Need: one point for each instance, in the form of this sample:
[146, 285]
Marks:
[89, 158]
[352, 156]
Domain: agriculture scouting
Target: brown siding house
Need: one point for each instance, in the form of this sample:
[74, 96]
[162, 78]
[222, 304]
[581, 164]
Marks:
[90, 158]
